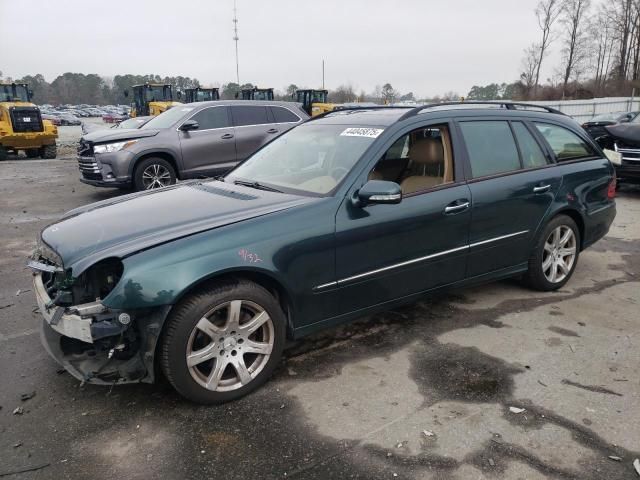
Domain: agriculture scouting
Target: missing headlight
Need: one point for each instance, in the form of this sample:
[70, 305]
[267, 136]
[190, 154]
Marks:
[97, 281]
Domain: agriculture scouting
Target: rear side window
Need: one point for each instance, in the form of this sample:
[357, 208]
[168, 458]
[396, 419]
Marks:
[530, 151]
[213, 117]
[564, 143]
[283, 115]
[249, 115]
[492, 149]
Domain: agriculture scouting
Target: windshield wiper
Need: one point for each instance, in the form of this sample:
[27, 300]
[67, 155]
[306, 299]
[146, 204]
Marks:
[257, 185]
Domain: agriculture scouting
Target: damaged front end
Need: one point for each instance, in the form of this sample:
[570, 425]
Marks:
[94, 343]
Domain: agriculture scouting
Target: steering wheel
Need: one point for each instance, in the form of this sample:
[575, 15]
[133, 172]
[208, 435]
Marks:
[336, 173]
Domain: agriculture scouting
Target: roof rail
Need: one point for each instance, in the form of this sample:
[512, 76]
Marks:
[350, 109]
[508, 105]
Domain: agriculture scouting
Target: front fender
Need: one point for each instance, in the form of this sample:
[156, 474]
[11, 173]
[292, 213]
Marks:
[164, 274]
[150, 151]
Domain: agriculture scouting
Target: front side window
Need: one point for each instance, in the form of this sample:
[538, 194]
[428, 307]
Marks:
[212, 117]
[491, 147]
[531, 153]
[418, 160]
[564, 143]
[249, 115]
[311, 158]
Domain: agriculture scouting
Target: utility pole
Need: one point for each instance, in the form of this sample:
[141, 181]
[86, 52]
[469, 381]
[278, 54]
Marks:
[235, 39]
[323, 74]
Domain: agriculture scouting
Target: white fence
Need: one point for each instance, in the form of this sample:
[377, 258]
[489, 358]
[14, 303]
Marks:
[583, 110]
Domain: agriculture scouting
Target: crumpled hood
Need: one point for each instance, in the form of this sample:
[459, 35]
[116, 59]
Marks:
[629, 133]
[113, 135]
[128, 224]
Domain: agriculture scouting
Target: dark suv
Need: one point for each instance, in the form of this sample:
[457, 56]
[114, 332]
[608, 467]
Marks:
[345, 215]
[186, 141]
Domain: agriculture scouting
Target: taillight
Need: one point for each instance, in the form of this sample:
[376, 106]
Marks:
[611, 190]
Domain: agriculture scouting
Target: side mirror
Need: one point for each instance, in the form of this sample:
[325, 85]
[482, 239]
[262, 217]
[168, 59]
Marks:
[189, 125]
[377, 191]
[126, 93]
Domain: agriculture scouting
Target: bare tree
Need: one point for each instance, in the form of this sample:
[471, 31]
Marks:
[547, 12]
[574, 14]
[529, 67]
[601, 33]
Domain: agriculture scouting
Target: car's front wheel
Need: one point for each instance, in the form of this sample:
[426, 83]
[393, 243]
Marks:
[555, 255]
[154, 173]
[223, 342]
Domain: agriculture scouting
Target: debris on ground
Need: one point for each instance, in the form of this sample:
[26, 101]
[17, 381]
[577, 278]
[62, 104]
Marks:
[16, 445]
[27, 396]
[428, 433]
[22, 291]
[516, 409]
[6, 305]
[18, 411]
[492, 462]
[636, 465]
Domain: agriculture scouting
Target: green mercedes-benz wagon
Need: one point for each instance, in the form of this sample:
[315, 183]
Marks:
[347, 214]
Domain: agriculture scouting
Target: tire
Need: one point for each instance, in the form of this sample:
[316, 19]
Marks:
[223, 371]
[152, 173]
[555, 255]
[49, 152]
[32, 153]
[3, 154]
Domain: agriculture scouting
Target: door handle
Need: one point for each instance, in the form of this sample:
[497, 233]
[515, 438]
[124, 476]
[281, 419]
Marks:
[227, 136]
[272, 130]
[456, 207]
[541, 188]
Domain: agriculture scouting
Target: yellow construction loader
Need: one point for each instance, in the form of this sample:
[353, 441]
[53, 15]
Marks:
[22, 126]
[314, 102]
[198, 94]
[151, 99]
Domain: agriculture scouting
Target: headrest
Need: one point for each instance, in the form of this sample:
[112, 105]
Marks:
[427, 151]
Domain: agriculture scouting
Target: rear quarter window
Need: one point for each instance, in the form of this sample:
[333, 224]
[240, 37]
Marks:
[565, 144]
[284, 115]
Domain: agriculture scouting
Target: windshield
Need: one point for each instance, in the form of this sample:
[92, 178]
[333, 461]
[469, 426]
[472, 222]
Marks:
[157, 94]
[13, 93]
[204, 95]
[607, 117]
[263, 95]
[167, 118]
[309, 158]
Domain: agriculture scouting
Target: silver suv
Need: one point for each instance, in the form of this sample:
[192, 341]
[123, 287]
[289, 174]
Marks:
[187, 141]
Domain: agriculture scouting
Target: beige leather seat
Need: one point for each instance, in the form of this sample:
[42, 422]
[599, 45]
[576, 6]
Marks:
[426, 152]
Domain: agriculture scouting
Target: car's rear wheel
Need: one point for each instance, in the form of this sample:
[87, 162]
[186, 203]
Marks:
[49, 152]
[223, 342]
[32, 153]
[555, 255]
[154, 173]
[3, 153]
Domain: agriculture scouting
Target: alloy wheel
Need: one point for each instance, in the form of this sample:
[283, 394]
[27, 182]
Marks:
[230, 345]
[559, 254]
[155, 176]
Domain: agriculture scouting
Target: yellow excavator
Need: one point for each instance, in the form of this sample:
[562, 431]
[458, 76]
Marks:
[22, 126]
[151, 99]
[198, 94]
[314, 102]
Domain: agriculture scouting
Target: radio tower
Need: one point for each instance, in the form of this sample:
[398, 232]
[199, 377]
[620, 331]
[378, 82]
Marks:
[235, 39]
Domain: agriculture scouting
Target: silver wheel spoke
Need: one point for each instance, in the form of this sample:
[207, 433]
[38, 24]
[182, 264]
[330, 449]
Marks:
[241, 370]
[563, 266]
[565, 238]
[554, 272]
[255, 323]
[556, 237]
[216, 374]
[205, 326]
[547, 263]
[202, 355]
[565, 252]
[233, 315]
[548, 247]
[261, 348]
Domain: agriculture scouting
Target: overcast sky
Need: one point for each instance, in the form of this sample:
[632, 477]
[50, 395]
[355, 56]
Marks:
[425, 46]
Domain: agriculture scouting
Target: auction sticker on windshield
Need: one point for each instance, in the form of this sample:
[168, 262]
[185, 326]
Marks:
[362, 132]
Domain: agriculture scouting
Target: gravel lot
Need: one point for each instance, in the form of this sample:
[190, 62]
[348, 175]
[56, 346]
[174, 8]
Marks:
[422, 392]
